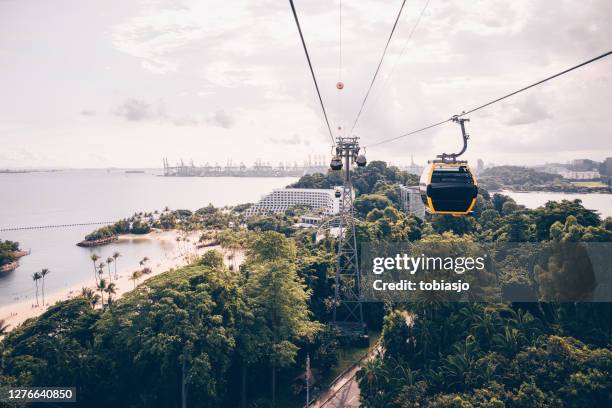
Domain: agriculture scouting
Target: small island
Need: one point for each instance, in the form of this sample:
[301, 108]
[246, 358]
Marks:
[9, 255]
[523, 179]
[110, 233]
[206, 218]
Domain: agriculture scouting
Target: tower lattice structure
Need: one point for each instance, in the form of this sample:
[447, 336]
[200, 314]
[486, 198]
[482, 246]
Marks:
[348, 309]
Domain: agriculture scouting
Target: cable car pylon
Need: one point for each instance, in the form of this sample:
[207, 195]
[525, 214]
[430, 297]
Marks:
[348, 310]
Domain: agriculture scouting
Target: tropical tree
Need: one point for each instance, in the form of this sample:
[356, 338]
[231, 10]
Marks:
[91, 297]
[116, 255]
[3, 327]
[94, 258]
[110, 290]
[233, 242]
[136, 275]
[101, 287]
[279, 300]
[109, 261]
[44, 272]
[213, 259]
[36, 276]
[143, 261]
[101, 266]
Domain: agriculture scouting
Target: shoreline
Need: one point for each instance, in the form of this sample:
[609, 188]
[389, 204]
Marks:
[11, 266]
[183, 254]
[511, 190]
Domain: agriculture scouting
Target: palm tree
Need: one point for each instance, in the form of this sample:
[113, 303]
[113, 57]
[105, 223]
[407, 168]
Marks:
[116, 255]
[143, 261]
[36, 276]
[109, 261]
[3, 327]
[94, 258]
[101, 266]
[101, 286]
[44, 273]
[110, 290]
[90, 296]
[136, 275]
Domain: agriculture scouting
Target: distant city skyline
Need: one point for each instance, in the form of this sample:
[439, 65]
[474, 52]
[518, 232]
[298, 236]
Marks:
[299, 162]
[125, 83]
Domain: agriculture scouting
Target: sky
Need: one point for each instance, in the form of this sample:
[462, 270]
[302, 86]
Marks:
[125, 83]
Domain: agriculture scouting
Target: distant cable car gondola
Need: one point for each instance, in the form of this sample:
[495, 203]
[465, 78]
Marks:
[448, 185]
[336, 163]
[361, 161]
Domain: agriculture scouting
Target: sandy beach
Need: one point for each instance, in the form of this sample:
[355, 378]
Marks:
[183, 253]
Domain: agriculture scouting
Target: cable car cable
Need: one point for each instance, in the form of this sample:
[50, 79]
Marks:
[340, 84]
[606, 54]
[382, 57]
[314, 78]
[537, 83]
[412, 31]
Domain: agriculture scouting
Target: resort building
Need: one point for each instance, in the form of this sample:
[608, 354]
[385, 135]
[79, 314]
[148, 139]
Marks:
[322, 201]
[309, 221]
[580, 175]
[410, 200]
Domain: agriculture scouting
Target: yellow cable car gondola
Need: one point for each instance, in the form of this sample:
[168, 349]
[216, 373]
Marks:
[448, 185]
[448, 188]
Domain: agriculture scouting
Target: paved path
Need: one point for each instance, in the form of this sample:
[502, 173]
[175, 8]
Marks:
[344, 392]
[345, 395]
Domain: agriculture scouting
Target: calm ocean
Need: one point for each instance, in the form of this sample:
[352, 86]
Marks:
[67, 197]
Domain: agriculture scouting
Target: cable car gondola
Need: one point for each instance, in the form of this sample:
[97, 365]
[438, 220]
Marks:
[448, 185]
[336, 163]
[448, 188]
[361, 161]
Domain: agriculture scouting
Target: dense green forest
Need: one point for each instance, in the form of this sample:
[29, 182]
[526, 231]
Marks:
[239, 336]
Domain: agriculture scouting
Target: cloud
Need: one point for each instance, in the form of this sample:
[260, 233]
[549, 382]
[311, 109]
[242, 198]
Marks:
[527, 111]
[187, 120]
[246, 57]
[222, 119]
[140, 110]
[88, 112]
[137, 110]
[19, 156]
[291, 141]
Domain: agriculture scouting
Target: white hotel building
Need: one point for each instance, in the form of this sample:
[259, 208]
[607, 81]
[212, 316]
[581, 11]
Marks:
[280, 200]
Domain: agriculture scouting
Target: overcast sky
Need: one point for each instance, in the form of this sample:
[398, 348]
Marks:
[124, 83]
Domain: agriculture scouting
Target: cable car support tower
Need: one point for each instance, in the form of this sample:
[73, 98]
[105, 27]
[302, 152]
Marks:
[347, 307]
